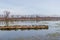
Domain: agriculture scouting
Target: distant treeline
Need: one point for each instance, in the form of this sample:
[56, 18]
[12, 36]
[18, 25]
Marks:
[37, 18]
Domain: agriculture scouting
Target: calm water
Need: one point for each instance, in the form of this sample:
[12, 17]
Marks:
[53, 33]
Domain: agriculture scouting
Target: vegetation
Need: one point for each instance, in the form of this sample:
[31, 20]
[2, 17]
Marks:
[6, 17]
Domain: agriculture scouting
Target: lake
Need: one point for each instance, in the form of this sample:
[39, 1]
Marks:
[53, 33]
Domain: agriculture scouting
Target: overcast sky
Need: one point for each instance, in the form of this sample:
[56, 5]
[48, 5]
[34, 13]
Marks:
[25, 7]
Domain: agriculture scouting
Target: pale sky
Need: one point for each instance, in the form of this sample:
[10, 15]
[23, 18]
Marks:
[28, 7]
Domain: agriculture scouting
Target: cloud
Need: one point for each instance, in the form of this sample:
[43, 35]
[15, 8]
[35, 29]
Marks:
[29, 7]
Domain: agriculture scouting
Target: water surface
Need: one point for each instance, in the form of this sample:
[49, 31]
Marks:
[53, 33]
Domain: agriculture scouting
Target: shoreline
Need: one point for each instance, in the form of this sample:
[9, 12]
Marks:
[25, 27]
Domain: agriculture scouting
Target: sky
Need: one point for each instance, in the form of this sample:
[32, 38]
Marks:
[31, 7]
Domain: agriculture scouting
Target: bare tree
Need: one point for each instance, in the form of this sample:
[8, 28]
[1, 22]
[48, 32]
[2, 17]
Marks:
[6, 15]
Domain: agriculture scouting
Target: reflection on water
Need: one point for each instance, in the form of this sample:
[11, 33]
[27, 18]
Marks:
[19, 29]
[53, 33]
[2, 23]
